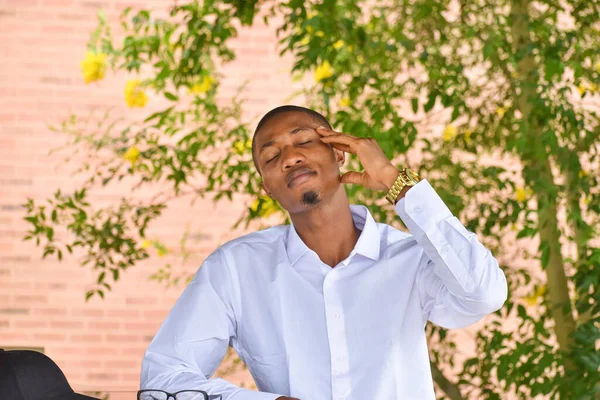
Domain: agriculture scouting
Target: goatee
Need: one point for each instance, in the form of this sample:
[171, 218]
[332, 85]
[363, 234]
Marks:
[311, 198]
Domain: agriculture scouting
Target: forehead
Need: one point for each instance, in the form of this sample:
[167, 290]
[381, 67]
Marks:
[282, 124]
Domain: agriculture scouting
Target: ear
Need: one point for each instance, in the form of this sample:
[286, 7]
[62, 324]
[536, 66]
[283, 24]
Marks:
[262, 185]
[340, 157]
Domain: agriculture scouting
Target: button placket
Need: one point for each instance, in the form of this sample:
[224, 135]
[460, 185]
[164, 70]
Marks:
[340, 383]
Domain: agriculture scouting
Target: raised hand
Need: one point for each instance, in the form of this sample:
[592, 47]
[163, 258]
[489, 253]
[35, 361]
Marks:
[378, 174]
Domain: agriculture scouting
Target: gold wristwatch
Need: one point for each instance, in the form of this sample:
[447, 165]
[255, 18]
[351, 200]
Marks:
[407, 177]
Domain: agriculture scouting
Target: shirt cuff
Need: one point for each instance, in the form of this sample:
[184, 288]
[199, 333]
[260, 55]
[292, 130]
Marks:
[421, 208]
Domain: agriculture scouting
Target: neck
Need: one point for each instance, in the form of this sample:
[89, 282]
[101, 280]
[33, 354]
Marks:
[328, 228]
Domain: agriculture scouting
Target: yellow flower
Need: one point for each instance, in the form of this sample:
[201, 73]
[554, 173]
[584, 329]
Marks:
[267, 206]
[592, 87]
[597, 67]
[320, 34]
[583, 173]
[522, 194]
[132, 154]
[501, 111]
[360, 59]
[202, 86]
[449, 133]
[93, 66]
[532, 300]
[515, 75]
[310, 29]
[134, 94]
[323, 71]
[345, 102]
[240, 147]
[305, 41]
[514, 227]
[468, 134]
[146, 243]
[581, 89]
[586, 200]
[161, 251]
[339, 44]
[350, 48]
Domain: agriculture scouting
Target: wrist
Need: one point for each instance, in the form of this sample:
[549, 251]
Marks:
[389, 176]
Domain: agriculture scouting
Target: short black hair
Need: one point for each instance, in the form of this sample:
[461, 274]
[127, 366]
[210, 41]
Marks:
[280, 110]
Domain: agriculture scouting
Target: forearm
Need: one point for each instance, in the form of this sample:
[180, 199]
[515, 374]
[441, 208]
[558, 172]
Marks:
[459, 277]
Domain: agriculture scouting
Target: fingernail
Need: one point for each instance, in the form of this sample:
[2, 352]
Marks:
[321, 127]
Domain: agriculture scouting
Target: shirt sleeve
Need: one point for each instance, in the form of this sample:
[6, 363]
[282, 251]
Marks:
[193, 340]
[459, 280]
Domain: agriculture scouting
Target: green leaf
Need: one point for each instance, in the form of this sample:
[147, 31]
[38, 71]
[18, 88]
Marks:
[415, 104]
[171, 96]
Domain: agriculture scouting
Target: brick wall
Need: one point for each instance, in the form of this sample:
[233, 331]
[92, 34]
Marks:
[99, 344]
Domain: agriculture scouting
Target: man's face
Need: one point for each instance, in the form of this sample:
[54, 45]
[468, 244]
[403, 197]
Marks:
[298, 170]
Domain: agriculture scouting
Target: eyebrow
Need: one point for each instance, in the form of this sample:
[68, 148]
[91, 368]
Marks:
[292, 132]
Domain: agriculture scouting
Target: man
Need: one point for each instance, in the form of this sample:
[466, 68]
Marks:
[335, 305]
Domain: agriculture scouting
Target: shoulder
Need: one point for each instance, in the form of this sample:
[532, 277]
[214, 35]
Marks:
[264, 244]
[260, 240]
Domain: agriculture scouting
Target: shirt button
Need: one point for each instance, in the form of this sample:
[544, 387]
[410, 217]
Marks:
[335, 316]
[417, 210]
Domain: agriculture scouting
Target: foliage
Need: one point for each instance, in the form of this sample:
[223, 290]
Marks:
[496, 100]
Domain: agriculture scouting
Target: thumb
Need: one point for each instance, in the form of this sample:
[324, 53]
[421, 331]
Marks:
[354, 177]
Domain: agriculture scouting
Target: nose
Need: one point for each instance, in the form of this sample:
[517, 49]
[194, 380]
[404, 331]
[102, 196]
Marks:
[291, 156]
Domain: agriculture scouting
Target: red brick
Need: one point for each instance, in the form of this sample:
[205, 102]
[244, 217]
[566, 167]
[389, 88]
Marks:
[99, 351]
[102, 377]
[30, 324]
[50, 337]
[131, 377]
[122, 338]
[142, 326]
[119, 365]
[120, 313]
[67, 325]
[67, 351]
[86, 338]
[49, 312]
[86, 312]
[103, 326]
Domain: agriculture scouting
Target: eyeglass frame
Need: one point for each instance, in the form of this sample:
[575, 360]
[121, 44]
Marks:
[174, 395]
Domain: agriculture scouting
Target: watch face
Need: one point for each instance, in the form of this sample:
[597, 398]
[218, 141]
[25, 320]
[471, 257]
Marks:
[412, 175]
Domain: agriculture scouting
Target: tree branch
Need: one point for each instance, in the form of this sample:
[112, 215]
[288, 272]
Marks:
[538, 173]
[450, 388]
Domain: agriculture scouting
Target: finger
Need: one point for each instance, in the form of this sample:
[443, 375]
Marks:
[353, 177]
[341, 138]
[325, 131]
[340, 146]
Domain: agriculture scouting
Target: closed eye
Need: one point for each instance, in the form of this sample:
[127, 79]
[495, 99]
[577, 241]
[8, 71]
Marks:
[306, 142]
[268, 161]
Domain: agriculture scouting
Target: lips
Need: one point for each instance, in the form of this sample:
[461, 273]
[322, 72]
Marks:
[298, 176]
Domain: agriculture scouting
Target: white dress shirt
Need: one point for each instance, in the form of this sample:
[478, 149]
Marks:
[314, 332]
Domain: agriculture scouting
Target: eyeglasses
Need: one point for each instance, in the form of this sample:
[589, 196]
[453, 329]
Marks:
[181, 395]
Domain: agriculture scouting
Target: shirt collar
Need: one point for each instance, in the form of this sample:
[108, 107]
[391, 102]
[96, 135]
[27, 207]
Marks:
[368, 241]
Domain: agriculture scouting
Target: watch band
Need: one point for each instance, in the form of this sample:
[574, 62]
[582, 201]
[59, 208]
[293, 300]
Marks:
[406, 177]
